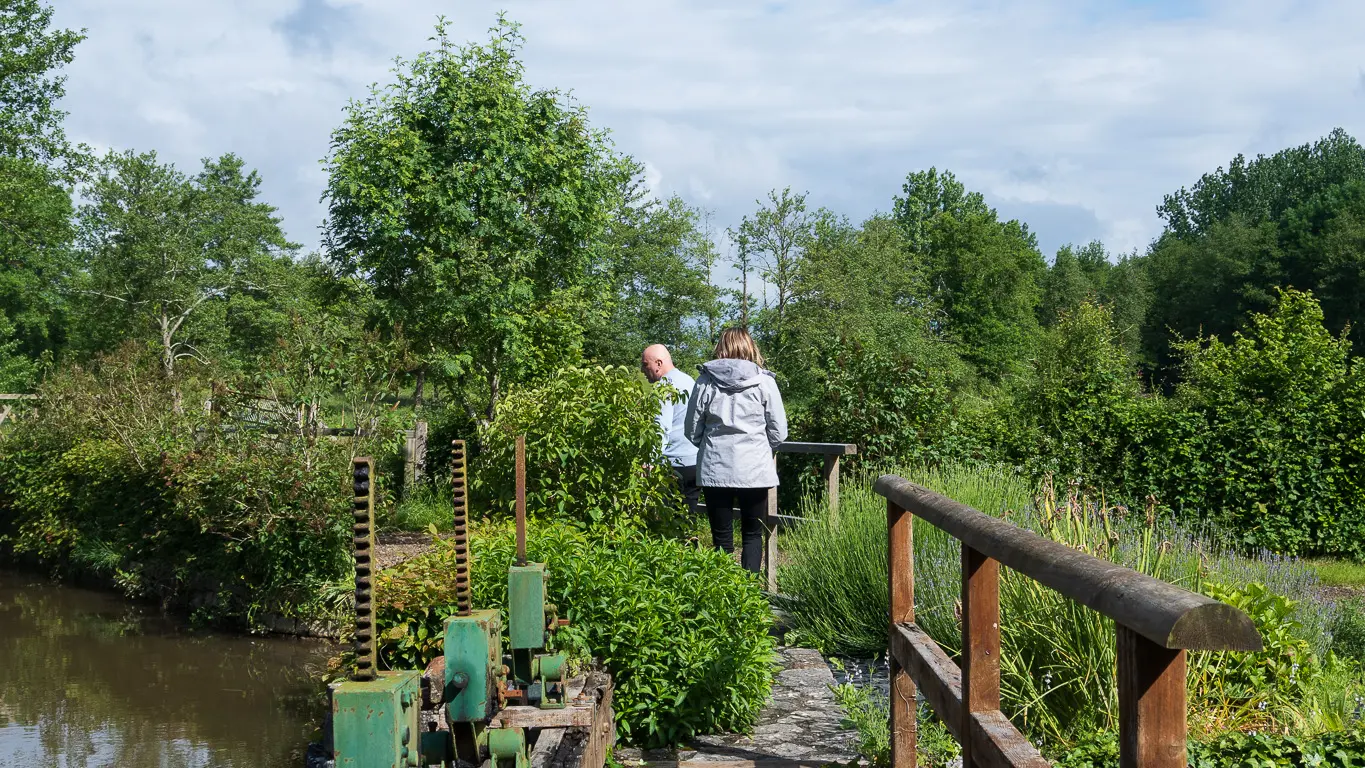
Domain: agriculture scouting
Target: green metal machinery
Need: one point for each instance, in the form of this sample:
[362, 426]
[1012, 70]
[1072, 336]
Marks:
[376, 715]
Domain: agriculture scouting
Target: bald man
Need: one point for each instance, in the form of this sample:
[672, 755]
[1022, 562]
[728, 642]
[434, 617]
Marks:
[657, 364]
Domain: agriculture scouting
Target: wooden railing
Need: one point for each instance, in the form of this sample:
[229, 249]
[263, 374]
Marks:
[1156, 622]
[7, 410]
[832, 452]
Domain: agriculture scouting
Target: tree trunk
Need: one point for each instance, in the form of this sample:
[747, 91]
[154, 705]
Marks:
[168, 365]
[419, 386]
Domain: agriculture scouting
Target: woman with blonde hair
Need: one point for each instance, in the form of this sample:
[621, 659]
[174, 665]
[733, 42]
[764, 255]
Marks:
[736, 419]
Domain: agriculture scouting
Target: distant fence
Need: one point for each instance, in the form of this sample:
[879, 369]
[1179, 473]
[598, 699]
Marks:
[7, 406]
[1156, 623]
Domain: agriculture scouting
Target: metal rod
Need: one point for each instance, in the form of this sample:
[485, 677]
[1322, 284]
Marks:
[366, 654]
[521, 499]
[459, 494]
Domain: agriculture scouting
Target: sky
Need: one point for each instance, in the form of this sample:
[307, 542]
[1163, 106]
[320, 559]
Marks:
[1075, 117]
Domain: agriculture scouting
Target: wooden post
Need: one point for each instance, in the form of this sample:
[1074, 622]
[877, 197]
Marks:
[832, 487]
[1151, 703]
[770, 548]
[980, 643]
[901, 586]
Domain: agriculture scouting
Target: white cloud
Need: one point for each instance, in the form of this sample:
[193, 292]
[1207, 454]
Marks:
[1073, 115]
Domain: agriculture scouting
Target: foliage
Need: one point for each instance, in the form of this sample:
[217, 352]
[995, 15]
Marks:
[1331, 749]
[30, 53]
[593, 451]
[683, 630]
[1056, 685]
[1280, 435]
[983, 272]
[1337, 572]
[661, 272]
[1348, 630]
[1071, 414]
[230, 524]
[867, 711]
[493, 274]
[158, 248]
[777, 236]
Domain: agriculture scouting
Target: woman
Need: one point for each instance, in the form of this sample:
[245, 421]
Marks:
[736, 419]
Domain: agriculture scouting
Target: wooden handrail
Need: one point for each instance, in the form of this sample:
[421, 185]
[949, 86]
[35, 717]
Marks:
[1159, 611]
[827, 449]
[1155, 622]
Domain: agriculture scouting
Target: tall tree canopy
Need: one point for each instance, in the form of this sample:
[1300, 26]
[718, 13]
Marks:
[160, 250]
[1293, 219]
[479, 208]
[985, 273]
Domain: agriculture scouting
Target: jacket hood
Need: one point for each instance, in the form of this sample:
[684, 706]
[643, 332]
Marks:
[734, 374]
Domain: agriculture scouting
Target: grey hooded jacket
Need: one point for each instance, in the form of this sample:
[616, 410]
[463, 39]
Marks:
[735, 418]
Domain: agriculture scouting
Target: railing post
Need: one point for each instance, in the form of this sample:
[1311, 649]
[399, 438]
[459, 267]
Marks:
[901, 585]
[770, 546]
[1151, 682]
[832, 487]
[980, 642]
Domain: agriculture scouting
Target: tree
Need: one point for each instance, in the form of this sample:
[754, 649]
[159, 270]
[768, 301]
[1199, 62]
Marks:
[159, 249]
[479, 210]
[37, 165]
[777, 235]
[659, 269]
[984, 273]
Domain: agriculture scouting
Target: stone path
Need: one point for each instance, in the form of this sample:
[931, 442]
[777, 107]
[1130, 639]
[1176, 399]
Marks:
[800, 726]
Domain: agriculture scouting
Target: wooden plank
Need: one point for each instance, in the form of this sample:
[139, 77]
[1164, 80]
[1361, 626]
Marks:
[547, 746]
[772, 522]
[832, 487]
[939, 678]
[1151, 683]
[992, 739]
[901, 586]
[1163, 613]
[571, 716]
[7, 414]
[980, 642]
[19, 397]
[838, 449]
[602, 737]
[996, 743]
[760, 763]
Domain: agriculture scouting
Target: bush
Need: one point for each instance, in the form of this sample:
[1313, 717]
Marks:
[1335, 749]
[230, 523]
[684, 631]
[593, 450]
[1348, 630]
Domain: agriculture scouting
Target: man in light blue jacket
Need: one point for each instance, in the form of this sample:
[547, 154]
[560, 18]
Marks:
[657, 364]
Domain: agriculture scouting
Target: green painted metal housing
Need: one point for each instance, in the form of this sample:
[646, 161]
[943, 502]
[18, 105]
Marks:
[473, 651]
[526, 606]
[375, 722]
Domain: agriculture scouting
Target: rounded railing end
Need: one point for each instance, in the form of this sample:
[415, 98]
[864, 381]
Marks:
[1215, 626]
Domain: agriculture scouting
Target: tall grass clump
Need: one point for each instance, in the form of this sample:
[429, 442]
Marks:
[1058, 657]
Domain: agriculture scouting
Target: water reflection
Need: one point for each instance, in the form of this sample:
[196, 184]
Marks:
[87, 680]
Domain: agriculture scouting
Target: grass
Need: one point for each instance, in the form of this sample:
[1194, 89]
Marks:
[1058, 659]
[429, 505]
[1333, 572]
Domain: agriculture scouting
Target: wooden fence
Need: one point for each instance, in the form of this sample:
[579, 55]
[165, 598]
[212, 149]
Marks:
[832, 452]
[7, 412]
[1156, 622]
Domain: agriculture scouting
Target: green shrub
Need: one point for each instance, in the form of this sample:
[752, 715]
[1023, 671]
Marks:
[593, 450]
[867, 711]
[113, 482]
[1348, 630]
[684, 631]
[1333, 749]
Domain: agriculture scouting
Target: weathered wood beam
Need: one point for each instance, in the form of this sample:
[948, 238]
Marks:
[901, 587]
[1161, 612]
[829, 449]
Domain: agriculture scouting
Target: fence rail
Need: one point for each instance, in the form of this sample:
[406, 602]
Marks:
[7, 412]
[1156, 623]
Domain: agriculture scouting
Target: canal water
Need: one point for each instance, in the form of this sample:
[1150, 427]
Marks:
[88, 680]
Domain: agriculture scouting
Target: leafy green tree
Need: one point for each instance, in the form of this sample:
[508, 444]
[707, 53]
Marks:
[777, 235]
[16, 370]
[479, 208]
[160, 250]
[37, 166]
[659, 265]
[986, 274]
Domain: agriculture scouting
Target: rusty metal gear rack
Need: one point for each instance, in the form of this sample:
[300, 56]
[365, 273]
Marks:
[479, 703]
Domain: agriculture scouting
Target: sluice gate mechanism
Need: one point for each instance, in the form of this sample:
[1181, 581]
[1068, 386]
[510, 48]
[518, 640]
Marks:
[480, 703]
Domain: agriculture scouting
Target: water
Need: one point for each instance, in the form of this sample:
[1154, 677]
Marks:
[88, 680]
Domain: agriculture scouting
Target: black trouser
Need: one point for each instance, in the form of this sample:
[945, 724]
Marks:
[753, 506]
[687, 483]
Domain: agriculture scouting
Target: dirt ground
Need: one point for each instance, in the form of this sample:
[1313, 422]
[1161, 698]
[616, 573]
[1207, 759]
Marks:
[393, 548]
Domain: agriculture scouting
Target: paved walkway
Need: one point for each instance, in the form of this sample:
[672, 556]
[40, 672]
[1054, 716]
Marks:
[800, 726]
